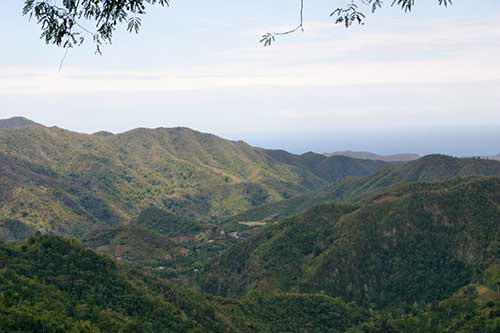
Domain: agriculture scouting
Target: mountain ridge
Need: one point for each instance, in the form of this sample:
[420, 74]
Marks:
[108, 180]
[16, 122]
[403, 157]
[426, 169]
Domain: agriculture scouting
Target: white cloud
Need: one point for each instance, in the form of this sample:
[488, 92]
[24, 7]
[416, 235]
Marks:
[435, 74]
[433, 53]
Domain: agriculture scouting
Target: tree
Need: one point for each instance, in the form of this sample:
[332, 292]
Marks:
[64, 22]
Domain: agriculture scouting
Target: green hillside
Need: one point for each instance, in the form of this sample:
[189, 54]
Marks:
[49, 284]
[69, 183]
[426, 169]
[157, 241]
[418, 243]
[165, 223]
[473, 308]
[34, 197]
[355, 189]
[74, 180]
[332, 168]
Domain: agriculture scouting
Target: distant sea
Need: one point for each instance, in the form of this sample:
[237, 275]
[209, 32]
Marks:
[458, 141]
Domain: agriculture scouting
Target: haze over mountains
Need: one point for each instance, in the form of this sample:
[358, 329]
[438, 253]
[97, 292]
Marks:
[185, 231]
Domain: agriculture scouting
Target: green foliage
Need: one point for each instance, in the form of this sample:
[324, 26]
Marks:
[331, 169]
[357, 189]
[280, 312]
[166, 223]
[473, 308]
[133, 244]
[69, 183]
[62, 23]
[157, 241]
[12, 230]
[57, 284]
[419, 243]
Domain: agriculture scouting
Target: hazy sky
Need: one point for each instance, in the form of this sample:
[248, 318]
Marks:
[423, 82]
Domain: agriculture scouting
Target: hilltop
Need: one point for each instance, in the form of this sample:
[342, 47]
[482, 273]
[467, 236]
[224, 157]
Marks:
[16, 122]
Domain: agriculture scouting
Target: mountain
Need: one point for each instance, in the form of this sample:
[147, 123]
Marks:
[371, 156]
[16, 122]
[331, 169]
[48, 284]
[416, 243]
[269, 241]
[74, 181]
[426, 169]
[71, 183]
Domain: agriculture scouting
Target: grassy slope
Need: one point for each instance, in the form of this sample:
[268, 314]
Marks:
[417, 243]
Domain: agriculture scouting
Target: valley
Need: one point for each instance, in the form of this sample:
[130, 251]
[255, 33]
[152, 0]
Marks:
[174, 230]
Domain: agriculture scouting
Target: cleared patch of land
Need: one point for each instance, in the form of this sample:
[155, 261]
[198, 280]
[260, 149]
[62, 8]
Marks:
[253, 223]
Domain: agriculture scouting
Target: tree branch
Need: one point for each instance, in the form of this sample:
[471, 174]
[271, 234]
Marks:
[347, 15]
[270, 37]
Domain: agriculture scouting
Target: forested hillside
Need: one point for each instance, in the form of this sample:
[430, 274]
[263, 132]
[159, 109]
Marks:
[69, 183]
[354, 189]
[53, 285]
[419, 243]
[331, 168]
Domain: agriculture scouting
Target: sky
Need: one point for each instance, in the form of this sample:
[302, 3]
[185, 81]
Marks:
[425, 82]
